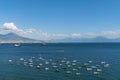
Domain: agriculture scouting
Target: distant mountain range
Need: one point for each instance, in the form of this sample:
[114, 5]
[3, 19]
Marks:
[87, 40]
[14, 38]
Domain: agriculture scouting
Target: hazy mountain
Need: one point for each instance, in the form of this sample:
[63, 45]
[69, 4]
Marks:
[14, 38]
[96, 39]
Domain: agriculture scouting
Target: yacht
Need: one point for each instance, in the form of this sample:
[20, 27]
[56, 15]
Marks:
[16, 45]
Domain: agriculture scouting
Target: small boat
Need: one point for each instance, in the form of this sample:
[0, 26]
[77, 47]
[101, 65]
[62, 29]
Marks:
[46, 68]
[74, 69]
[38, 67]
[90, 61]
[43, 43]
[106, 65]
[57, 70]
[99, 70]
[21, 59]
[68, 72]
[16, 45]
[96, 73]
[77, 73]
[89, 69]
[46, 62]
[93, 67]
[11, 61]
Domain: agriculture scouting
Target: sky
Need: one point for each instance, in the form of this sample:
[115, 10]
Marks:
[56, 19]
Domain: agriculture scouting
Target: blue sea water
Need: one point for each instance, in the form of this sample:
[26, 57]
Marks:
[83, 52]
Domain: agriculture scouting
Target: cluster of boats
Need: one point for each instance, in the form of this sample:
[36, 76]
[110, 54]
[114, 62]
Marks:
[63, 65]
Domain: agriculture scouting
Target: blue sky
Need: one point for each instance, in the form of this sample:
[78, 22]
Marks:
[47, 19]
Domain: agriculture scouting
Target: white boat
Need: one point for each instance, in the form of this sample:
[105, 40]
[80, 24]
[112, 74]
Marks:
[43, 43]
[16, 45]
[89, 69]
[77, 73]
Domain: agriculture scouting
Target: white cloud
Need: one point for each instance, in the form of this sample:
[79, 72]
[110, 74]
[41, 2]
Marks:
[38, 34]
[90, 35]
[111, 34]
[9, 26]
[76, 35]
[29, 31]
[59, 35]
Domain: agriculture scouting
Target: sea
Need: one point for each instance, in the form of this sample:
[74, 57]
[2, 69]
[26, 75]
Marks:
[92, 54]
